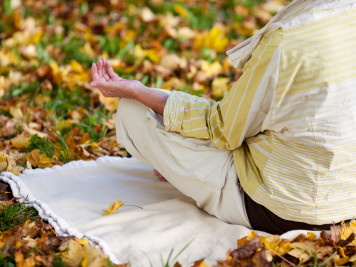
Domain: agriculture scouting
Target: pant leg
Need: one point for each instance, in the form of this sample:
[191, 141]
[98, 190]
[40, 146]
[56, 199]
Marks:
[195, 167]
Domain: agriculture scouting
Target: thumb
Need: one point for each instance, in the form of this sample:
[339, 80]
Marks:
[97, 84]
[106, 85]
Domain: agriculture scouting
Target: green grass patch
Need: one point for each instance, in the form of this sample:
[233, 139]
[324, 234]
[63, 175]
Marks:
[15, 214]
[42, 144]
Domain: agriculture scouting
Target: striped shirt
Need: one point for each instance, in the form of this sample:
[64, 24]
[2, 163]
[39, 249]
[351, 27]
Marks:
[290, 119]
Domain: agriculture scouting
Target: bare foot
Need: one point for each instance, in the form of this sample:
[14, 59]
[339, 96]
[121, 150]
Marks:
[159, 176]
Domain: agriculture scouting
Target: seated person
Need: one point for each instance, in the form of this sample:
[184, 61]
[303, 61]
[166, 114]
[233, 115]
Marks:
[278, 152]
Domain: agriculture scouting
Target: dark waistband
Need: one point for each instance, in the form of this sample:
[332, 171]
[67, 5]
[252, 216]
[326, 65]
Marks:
[264, 220]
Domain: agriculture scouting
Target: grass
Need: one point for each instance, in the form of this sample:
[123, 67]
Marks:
[12, 215]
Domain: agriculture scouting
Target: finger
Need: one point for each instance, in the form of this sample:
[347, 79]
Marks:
[94, 72]
[110, 71]
[100, 68]
[107, 77]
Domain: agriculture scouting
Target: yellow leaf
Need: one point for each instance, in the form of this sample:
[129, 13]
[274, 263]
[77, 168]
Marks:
[82, 241]
[181, 11]
[20, 141]
[55, 72]
[29, 262]
[139, 52]
[211, 69]
[84, 262]
[8, 163]
[39, 160]
[65, 123]
[220, 86]
[110, 103]
[76, 66]
[3, 156]
[74, 254]
[87, 49]
[352, 258]
[311, 236]
[340, 261]
[113, 207]
[251, 235]
[36, 38]
[19, 258]
[172, 84]
[214, 39]
[130, 35]
[348, 230]
[153, 55]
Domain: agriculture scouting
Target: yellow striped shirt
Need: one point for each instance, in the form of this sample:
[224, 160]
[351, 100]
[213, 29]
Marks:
[291, 117]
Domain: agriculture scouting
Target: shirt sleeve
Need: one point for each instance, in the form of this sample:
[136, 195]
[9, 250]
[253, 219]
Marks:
[241, 113]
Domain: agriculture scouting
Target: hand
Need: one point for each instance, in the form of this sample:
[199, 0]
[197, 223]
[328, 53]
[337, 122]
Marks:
[102, 71]
[112, 85]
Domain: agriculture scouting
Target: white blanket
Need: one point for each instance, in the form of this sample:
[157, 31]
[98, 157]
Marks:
[72, 198]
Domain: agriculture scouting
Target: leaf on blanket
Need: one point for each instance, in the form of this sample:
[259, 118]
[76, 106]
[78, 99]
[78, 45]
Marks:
[113, 207]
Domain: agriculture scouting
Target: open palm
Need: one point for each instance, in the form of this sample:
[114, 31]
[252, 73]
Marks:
[103, 72]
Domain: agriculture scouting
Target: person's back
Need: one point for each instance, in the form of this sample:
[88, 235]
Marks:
[304, 159]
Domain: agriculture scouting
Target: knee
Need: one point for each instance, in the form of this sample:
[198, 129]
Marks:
[129, 117]
[129, 109]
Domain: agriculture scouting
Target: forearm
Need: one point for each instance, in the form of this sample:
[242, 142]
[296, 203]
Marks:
[152, 98]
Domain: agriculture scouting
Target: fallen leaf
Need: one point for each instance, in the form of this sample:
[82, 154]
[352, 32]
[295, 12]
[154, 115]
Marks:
[38, 159]
[20, 141]
[303, 250]
[348, 230]
[110, 103]
[220, 86]
[211, 69]
[113, 207]
[9, 128]
[147, 15]
[247, 250]
[170, 61]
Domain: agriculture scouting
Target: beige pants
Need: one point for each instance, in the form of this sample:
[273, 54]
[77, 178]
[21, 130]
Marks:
[195, 167]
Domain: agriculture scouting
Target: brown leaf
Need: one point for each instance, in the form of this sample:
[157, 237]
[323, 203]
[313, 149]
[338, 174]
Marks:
[324, 251]
[303, 250]
[335, 232]
[351, 239]
[5, 192]
[263, 258]
[247, 250]
[9, 129]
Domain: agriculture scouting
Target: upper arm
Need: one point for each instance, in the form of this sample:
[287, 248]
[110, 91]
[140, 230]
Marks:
[248, 101]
